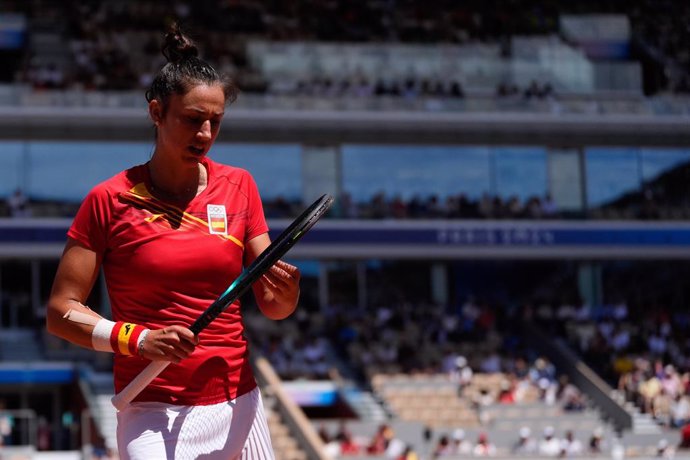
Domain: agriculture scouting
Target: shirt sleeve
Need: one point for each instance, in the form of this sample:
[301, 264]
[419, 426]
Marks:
[90, 224]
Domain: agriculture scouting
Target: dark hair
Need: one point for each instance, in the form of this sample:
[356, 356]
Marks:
[185, 70]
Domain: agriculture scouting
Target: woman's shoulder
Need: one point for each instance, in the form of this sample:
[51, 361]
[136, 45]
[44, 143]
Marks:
[222, 170]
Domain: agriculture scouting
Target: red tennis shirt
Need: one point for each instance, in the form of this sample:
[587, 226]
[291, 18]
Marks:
[164, 265]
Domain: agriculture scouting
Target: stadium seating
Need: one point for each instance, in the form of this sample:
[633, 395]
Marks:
[387, 349]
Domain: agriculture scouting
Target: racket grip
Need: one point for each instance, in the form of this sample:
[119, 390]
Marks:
[128, 393]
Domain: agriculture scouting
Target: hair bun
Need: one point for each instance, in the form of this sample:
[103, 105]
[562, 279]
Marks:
[177, 46]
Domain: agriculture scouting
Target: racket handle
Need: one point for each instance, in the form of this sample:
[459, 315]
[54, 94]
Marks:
[128, 393]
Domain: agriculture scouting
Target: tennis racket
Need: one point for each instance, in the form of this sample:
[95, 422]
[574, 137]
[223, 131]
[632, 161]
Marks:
[249, 275]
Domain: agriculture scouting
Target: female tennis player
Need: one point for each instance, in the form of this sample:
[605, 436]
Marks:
[170, 235]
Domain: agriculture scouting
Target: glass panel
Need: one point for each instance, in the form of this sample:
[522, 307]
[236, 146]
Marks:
[10, 167]
[658, 161]
[276, 168]
[520, 172]
[611, 172]
[565, 179]
[410, 171]
[68, 170]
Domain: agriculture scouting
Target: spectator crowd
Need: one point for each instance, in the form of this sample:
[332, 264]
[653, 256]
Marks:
[112, 46]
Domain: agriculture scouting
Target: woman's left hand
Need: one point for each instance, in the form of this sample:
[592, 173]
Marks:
[281, 290]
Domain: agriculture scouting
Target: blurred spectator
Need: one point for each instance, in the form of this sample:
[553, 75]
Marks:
[408, 454]
[483, 399]
[549, 445]
[617, 450]
[537, 90]
[570, 447]
[664, 449]
[525, 445]
[442, 448]
[5, 429]
[570, 397]
[680, 411]
[685, 437]
[507, 393]
[484, 447]
[347, 443]
[19, 204]
[397, 448]
[459, 445]
[347, 206]
[543, 375]
[491, 363]
[277, 355]
[6, 425]
[43, 434]
[596, 442]
[314, 355]
[549, 208]
[649, 389]
[47, 76]
[331, 445]
[381, 440]
[504, 90]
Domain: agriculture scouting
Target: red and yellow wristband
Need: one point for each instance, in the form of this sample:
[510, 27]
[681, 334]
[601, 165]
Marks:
[121, 337]
[124, 338]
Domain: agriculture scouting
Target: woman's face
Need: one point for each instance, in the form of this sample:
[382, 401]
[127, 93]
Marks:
[187, 129]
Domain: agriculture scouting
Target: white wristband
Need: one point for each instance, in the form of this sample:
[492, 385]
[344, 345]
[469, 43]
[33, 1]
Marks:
[100, 337]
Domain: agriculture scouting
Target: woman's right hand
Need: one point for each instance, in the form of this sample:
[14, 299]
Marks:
[171, 343]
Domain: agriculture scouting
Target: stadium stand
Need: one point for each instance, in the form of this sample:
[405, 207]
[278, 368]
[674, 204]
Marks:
[116, 41]
[447, 357]
[79, 51]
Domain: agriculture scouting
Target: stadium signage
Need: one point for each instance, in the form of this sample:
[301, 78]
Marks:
[430, 239]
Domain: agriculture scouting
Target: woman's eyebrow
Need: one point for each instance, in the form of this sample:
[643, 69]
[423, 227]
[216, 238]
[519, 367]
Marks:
[202, 111]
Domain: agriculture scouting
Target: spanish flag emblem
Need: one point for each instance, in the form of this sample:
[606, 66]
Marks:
[217, 219]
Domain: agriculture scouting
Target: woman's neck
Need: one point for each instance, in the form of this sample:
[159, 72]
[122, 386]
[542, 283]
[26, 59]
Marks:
[173, 183]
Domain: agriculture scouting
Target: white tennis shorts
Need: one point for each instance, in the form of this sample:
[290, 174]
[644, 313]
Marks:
[233, 430]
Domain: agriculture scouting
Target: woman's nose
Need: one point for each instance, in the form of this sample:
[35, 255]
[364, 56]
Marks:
[205, 130]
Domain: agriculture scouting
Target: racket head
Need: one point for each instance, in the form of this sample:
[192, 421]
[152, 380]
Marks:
[277, 249]
[294, 232]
